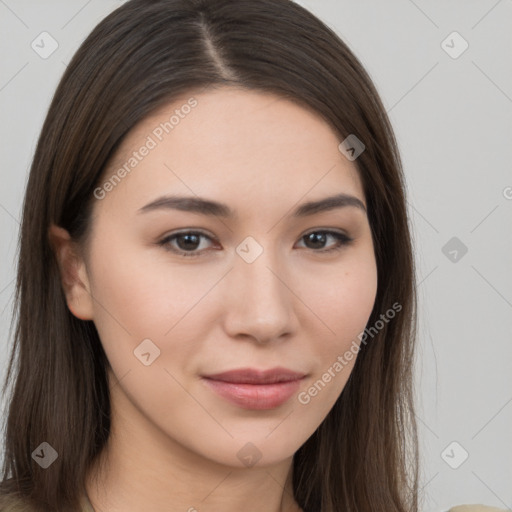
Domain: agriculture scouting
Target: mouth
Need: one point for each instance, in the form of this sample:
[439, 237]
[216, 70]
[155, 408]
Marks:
[255, 389]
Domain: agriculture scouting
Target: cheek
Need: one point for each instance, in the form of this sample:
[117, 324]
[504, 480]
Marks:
[139, 297]
[137, 293]
[140, 310]
[344, 307]
[343, 297]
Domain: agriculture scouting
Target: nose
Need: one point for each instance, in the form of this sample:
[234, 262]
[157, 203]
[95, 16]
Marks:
[258, 300]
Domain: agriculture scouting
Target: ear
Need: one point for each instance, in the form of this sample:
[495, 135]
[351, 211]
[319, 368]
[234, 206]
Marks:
[73, 273]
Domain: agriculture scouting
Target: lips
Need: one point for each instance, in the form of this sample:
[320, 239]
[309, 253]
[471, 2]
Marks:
[248, 388]
[254, 376]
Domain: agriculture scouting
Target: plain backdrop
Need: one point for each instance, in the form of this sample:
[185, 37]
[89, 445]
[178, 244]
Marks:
[444, 72]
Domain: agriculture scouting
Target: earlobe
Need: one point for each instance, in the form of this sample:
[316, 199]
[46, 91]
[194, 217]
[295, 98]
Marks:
[73, 273]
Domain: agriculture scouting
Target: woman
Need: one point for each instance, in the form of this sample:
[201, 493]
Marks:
[216, 284]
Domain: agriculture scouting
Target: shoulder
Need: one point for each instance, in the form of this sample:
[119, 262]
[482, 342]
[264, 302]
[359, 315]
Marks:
[11, 503]
[475, 508]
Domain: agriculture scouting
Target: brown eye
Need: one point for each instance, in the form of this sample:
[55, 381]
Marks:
[316, 240]
[187, 242]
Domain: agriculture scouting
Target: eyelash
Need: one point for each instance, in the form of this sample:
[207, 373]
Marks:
[343, 241]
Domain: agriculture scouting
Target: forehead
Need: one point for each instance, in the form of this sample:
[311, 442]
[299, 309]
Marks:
[231, 143]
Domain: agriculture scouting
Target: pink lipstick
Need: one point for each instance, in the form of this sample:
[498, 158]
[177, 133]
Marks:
[250, 388]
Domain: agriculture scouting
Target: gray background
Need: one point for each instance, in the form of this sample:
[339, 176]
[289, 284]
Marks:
[452, 115]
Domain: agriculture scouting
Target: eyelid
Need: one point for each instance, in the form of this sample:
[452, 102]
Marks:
[343, 239]
[165, 241]
[329, 230]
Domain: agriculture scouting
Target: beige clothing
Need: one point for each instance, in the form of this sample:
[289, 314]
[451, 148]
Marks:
[475, 508]
[18, 505]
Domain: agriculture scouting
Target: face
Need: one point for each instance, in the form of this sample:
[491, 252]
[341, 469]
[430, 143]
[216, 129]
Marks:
[179, 290]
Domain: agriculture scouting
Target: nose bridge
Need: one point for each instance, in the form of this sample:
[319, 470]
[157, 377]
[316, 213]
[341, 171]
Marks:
[260, 303]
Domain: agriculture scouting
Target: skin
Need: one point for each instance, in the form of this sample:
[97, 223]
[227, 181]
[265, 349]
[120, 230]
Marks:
[174, 442]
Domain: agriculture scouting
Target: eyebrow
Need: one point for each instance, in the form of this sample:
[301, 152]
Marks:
[209, 207]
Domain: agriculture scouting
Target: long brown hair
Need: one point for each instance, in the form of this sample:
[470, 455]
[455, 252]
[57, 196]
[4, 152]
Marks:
[364, 455]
